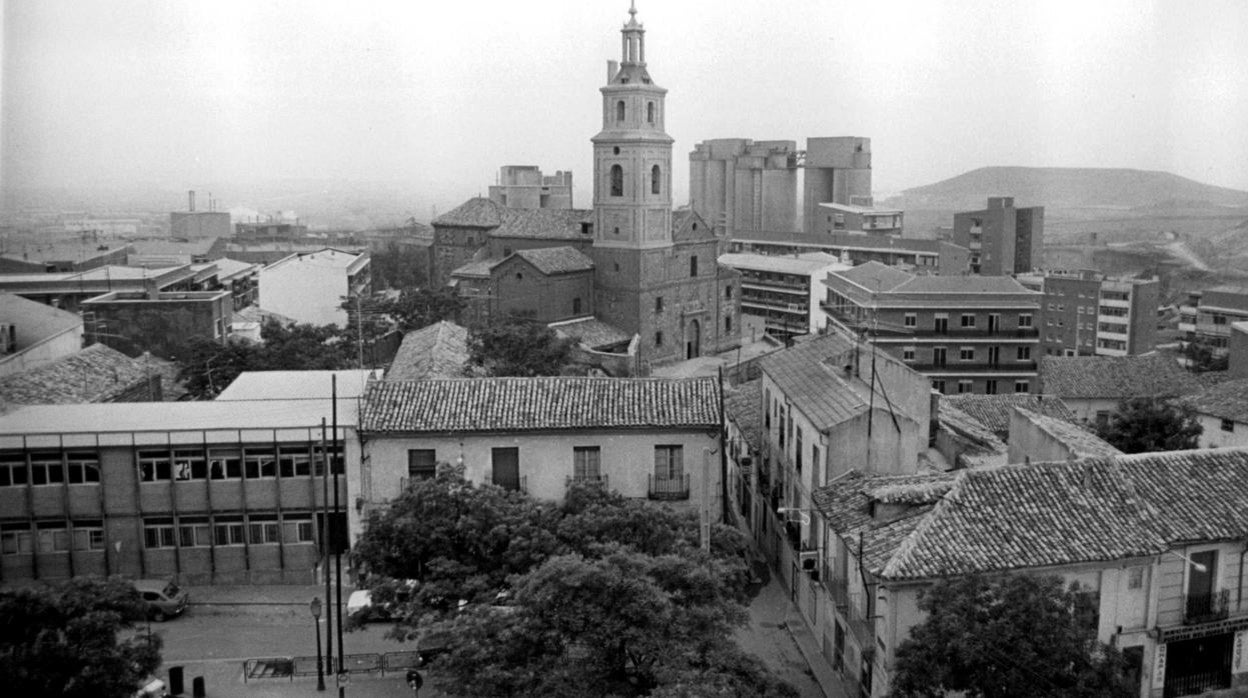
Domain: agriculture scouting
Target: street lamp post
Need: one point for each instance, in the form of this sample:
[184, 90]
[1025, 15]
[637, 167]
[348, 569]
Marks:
[315, 607]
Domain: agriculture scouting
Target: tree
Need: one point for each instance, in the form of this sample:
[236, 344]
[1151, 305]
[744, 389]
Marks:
[1009, 636]
[207, 367]
[63, 641]
[519, 348]
[1149, 424]
[417, 308]
[1201, 357]
[399, 266]
[602, 593]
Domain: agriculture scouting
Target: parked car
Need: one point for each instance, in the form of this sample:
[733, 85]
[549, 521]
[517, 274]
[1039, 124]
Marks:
[163, 598]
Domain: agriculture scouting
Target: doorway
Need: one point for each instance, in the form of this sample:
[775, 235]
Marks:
[693, 342]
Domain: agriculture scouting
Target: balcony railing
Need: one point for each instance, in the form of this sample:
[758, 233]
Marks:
[587, 479]
[959, 367]
[1203, 608]
[669, 488]
[519, 484]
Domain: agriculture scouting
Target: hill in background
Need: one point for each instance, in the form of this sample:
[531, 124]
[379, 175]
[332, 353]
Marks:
[1067, 188]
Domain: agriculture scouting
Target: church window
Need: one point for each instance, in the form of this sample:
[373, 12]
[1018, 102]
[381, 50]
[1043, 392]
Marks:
[519, 276]
[658, 304]
[728, 292]
[658, 339]
[619, 110]
[617, 180]
[576, 306]
[656, 180]
[693, 266]
[727, 323]
[617, 230]
[650, 112]
[616, 150]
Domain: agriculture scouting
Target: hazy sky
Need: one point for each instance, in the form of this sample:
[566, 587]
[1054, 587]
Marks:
[437, 95]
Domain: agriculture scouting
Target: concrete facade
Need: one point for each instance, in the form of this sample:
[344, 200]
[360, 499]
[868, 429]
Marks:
[739, 185]
[1002, 239]
[838, 171]
[191, 225]
[159, 322]
[1207, 316]
[1089, 314]
[785, 294]
[524, 186]
[921, 256]
[836, 218]
[311, 288]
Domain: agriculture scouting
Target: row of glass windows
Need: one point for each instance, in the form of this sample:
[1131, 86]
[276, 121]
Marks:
[200, 532]
[163, 464]
[586, 462]
[50, 537]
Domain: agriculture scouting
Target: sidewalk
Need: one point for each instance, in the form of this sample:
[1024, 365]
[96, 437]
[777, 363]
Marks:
[777, 635]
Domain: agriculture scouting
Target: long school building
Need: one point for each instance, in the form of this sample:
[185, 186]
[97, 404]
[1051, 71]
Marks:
[208, 492]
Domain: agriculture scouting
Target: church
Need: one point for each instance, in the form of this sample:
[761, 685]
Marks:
[655, 277]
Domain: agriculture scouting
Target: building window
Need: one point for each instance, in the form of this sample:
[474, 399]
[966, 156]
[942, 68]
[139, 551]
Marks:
[658, 304]
[576, 306]
[938, 385]
[228, 532]
[53, 536]
[88, 535]
[907, 353]
[990, 386]
[16, 539]
[912, 320]
[298, 528]
[728, 292]
[617, 180]
[1024, 320]
[154, 465]
[941, 324]
[968, 320]
[194, 532]
[158, 533]
[1135, 578]
[293, 461]
[1024, 353]
[727, 323]
[225, 464]
[258, 462]
[619, 110]
[1228, 425]
[939, 356]
[422, 463]
[693, 266]
[669, 462]
[965, 387]
[797, 448]
[656, 180]
[84, 467]
[586, 463]
[262, 530]
[966, 353]
[13, 471]
[650, 112]
[1022, 386]
[658, 338]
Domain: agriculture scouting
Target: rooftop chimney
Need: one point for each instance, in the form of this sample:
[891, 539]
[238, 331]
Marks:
[190, 195]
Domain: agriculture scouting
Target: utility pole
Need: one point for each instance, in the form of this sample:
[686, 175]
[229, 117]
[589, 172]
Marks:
[705, 528]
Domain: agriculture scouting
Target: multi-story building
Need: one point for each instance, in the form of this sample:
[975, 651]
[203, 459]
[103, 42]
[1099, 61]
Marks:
[1154, 541]
[1002, 239]
[648, 437]
[1207, 316]
[216, 492]
[830, 404]
[1087, 313]
[270, 230]
[312, 288]
[1237, 351]
[1222, 411]
[858, 217]
[159, 322]
[968, 334]
[524, 186]
[923, 256]
[783, 296]
[741, 186]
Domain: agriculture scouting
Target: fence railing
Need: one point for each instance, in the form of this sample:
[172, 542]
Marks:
[290, 667]
[669, 488]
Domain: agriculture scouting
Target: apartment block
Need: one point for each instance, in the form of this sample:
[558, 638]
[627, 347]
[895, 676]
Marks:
[783, 296]
[311, 288]
[1087, 313]
[922, 256]
[859, 217]
[968, 334]
[1002, 239]
[1208, 315]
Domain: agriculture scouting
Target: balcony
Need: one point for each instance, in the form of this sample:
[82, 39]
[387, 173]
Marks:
[959, 367]
[1205, 608]
[669, 488]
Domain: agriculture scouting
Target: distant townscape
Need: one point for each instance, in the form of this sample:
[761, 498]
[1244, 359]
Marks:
[784, 396]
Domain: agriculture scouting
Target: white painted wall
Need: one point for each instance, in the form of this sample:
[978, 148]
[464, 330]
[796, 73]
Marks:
[1214, 437]
[308, 288]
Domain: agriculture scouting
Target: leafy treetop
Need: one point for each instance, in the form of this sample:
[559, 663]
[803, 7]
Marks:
[519, 348]
[1146, 424]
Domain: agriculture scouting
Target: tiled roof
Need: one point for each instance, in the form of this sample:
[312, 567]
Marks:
[1114, 377]
[1081, 442]
[96, 374]
[591, 332]
[1040, 515]
[536, 404]
[479, 269]
[542, 223]
[874, 276]
[557, 260]
[437, 351]
[477, 212]
[744, 406]
[979, 443]
[1227, 400]
[993, 411]
[810, 374]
